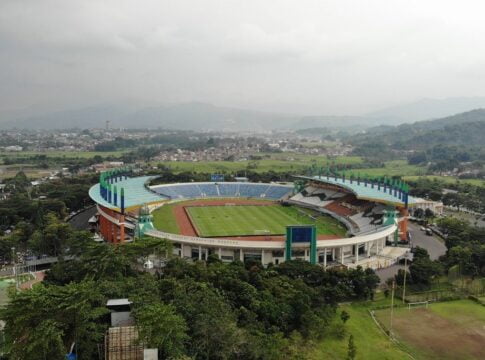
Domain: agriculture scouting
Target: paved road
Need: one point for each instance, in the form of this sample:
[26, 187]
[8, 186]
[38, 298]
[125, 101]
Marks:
[80, 221]
[388, 272]
[433, 244]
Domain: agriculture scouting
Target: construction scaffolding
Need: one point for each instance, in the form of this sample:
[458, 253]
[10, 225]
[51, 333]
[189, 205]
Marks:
[121, 343]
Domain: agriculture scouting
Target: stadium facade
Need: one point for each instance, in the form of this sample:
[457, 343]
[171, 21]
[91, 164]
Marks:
[375, 213]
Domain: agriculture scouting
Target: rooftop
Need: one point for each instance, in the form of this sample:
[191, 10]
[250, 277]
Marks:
[363, 190]
[136, 193]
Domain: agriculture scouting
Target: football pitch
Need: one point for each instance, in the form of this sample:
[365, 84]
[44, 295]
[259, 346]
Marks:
[246, 220]
[447, 330]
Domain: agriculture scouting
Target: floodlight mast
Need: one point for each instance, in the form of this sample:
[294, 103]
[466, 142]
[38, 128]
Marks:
[404, 282]
[392, 306]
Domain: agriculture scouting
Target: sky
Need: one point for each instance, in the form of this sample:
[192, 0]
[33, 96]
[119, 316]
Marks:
[313, 57]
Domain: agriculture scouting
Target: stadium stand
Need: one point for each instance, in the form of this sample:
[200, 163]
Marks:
[214, 190]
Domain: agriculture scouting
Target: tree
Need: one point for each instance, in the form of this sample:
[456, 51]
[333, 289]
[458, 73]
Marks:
[160, 327]
[52, 238]
[344, 315]
[352, 349]
[43, 323]
[423, 270]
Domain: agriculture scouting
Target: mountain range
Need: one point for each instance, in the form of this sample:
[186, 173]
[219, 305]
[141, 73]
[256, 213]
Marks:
[467, 129]
[205, 117]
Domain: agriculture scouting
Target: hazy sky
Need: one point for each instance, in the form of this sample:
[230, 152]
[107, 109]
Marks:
[329, 57]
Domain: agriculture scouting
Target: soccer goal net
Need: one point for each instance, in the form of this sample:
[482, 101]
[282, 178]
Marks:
[419, 304]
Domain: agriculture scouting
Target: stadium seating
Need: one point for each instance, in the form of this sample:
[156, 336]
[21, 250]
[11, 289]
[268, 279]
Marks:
[208, 190]
[276, 192]
[227, 189]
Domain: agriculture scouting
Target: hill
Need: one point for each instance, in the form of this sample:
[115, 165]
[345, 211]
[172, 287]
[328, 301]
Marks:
[465, 129]
[184, 116]
[427, 109]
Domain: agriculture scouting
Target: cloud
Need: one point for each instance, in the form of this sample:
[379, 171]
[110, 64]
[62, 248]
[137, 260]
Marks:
[332, 56]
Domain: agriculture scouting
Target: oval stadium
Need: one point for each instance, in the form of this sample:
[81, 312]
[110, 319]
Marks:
[324, 219]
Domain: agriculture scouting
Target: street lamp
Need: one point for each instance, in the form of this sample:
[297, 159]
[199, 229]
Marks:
[405, 273]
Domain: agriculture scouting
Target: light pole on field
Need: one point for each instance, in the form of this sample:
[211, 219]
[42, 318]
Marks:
[404, 282]
[392, 306]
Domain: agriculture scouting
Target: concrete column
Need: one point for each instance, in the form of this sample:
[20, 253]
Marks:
[369, 245]
[356, 253]
[181, 250]
[333, 254]
[122, 228]
[200, 252]
[241, 255]
[342, 255]
[325, 258]
[262, 256]
[220, 253]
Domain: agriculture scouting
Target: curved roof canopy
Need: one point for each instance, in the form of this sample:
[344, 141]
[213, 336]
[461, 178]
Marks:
[365, 190]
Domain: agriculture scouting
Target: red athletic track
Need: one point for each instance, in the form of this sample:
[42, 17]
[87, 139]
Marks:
[186, 227]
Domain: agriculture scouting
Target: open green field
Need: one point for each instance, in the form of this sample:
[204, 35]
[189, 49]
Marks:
[164, 219]
[371, 342]
[448, 179]
[60, 154]
[243, 220]
[281, 162]
[391, 168]
[447, 330]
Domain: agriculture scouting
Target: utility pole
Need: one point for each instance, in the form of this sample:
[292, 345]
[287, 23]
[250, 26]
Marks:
[404, 283]
[392, 305]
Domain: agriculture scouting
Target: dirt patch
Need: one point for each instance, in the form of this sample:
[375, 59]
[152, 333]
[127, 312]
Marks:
[438, 337]
[39, 276]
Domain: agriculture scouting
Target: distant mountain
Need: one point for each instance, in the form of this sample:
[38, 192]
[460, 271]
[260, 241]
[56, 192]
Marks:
[87, 117]
[205, 117]
[185, 116]
[427, 109]
[193, 116]
[467, 129]
[201, 116]
[336, 122]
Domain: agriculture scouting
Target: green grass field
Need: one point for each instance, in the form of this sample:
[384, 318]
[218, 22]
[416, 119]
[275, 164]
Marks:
[213, 221]
[280, 162]
[61, 154]
[446, 330]
[448, 179]
[371, 342]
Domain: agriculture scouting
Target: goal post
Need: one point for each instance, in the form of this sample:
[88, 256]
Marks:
[413, 305]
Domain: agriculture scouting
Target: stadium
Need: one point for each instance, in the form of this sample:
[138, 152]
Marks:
[324, 219]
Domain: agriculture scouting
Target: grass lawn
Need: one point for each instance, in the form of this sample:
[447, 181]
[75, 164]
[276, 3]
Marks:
[448, 180]
[371, 342]
[164, 219]
[281, 162]
[391, 168]
[61, 154]
[255, 220]
[447, 330]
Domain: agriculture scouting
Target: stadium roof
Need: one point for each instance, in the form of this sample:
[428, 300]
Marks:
[136, 193]
[362, 190]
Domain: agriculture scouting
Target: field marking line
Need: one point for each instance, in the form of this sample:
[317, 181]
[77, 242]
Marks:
[389, 336]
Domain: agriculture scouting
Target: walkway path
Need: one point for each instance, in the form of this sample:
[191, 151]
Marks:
[39, 276]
